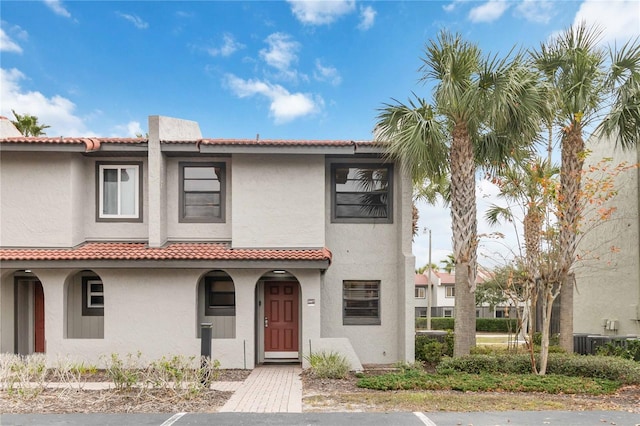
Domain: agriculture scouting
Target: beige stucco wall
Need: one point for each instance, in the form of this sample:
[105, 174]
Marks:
[38, 200]
[365, 251]
[155, 311]
[278, 201]
[608, 287]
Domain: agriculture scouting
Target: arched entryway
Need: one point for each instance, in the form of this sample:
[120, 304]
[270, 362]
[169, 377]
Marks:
[279, 317]
[29, 313]
[216, 301]
[84, 308]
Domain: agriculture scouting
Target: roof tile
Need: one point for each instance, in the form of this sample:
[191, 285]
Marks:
[172, 251]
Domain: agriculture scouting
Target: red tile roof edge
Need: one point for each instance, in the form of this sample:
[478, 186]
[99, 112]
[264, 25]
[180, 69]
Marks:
[172, 251]
[69, 140]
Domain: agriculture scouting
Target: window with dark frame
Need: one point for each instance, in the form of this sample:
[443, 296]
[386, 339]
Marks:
[220, 297]
[202, 192]
[92, 296]
[118, 191]
[361, 192]
[421, 293]
[361, 302]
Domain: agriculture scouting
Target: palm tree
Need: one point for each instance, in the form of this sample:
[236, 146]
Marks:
[483, 109]
[449, 264]
[28, 124]
[585, 83]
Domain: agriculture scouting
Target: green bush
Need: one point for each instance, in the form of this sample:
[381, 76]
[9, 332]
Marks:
[465, 382]
[487, 325]
[328, 365]
[627, 349]
[431, 349]
[597, 367]
[496, 325]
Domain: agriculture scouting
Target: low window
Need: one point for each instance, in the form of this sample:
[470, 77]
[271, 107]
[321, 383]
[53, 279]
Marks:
[361, 193]
[118, 191]
[361, 302]
[220, 297]
[202, 192]
[447, 313]
[421, 293]
[422, 313]
[92, 297]
[450, 291]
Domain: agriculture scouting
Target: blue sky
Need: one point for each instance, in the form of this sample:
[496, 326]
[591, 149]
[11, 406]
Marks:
[284, 70]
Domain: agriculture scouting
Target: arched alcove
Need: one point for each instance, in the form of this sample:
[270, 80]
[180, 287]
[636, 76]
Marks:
[216, 301]
[84, 306]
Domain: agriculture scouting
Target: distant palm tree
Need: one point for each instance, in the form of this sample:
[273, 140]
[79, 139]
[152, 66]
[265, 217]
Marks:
[28, 124]
[484, 108]
[584, 84]
[423, 269]
[449, 263]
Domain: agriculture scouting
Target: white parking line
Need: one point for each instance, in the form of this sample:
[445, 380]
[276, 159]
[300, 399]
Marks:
[171, 420]
[424, 419]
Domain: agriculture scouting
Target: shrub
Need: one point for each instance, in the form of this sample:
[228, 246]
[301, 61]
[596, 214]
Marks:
[627, 349]
[125, 373]
[431, 349]
[465, 382]
[23, 375]
[489, 325]
[496, 325]
[597, 367]
[328, 365]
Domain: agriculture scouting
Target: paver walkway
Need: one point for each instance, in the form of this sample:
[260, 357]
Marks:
[268, 389]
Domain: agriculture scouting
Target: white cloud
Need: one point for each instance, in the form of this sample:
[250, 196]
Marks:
[131, 129]
[619, 20]
[328, 73]
[57, 7]
[7, 44]
[488, 12]
[321, 12]
[367, 18]
[135, 20]
[229, 46]
[284, 106]
[452, 6]
[281, 53]
[56, 111]
[540, 11]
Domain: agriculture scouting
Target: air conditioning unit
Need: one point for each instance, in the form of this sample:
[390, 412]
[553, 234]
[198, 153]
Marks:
[612, 325]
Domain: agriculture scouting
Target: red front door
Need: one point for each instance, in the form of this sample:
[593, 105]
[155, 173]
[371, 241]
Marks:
[38, 314]
[281, 319]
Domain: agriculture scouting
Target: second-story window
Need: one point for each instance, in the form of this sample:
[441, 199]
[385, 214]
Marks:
[119, 191]
[361, 192]
[202, 192]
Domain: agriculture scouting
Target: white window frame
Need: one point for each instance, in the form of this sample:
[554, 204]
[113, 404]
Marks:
[118, 167]
[91, 293]
[449, 291]
[421, 293]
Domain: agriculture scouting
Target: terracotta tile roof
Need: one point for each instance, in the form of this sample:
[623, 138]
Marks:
[173, 251]
[276, 142]
[69, 140]
[421, 279]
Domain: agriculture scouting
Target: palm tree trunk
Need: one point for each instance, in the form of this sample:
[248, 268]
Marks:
[570, 181]
[464, 224]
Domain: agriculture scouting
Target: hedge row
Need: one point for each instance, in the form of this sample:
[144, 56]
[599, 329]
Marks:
[602, 367]
[495, 325]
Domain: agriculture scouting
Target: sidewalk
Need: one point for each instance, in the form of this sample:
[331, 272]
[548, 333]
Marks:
[268, 389]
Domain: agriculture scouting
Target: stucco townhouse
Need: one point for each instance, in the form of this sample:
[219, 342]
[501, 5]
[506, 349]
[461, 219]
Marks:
[287, 247]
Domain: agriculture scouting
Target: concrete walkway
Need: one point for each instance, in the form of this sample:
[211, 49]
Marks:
[268, 389]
